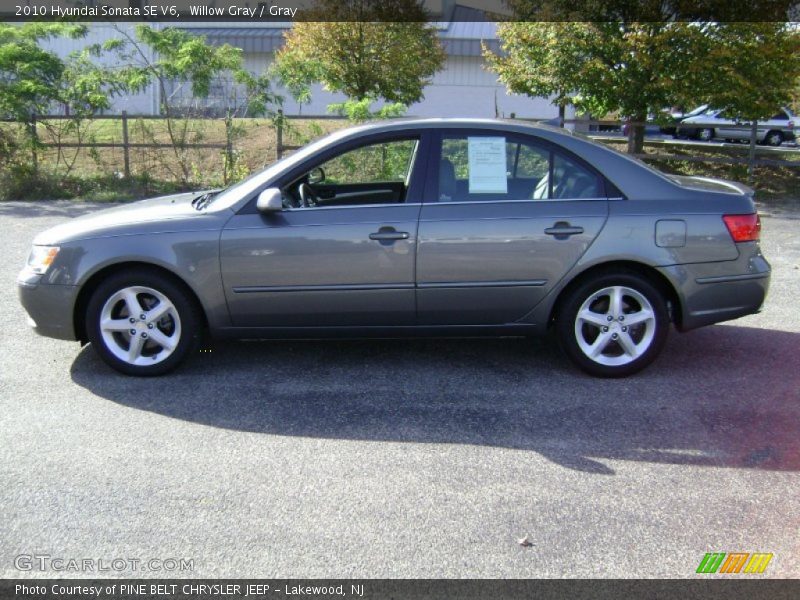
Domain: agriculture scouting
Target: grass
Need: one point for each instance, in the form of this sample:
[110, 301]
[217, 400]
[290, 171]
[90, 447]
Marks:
[773, 184]
[96, 174]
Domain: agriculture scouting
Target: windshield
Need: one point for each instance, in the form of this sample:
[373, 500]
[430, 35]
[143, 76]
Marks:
[698, 111]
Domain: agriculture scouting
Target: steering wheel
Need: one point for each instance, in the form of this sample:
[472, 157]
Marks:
[307, 195]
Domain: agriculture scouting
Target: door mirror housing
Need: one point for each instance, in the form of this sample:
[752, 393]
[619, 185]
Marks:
[270, 201]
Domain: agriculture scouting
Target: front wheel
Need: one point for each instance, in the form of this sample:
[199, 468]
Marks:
[613, 325]
[142, 322]
[705, 135]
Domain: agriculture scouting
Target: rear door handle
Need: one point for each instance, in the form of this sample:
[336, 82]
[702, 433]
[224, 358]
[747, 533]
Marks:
[562, 230]
[388, 234]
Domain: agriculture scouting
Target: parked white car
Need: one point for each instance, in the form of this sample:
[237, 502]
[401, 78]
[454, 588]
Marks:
[721, 124]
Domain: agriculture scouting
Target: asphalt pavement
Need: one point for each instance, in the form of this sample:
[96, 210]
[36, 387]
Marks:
[405, 458]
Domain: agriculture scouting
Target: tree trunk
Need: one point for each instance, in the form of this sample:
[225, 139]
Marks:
[562, 111]
[636, 133]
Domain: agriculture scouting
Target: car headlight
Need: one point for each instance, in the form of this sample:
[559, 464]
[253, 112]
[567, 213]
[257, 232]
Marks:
[41, 258]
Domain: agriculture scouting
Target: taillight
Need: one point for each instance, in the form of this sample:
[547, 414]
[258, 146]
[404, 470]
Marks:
[743, 228]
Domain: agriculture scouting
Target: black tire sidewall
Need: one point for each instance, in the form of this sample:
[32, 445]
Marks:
[565, 323]
[770, 135]
[180, 298]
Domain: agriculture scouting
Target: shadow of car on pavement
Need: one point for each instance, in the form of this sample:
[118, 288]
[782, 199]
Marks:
[723, 396]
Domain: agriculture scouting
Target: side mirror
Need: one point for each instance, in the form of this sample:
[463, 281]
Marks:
[316, 175]
[270, 201]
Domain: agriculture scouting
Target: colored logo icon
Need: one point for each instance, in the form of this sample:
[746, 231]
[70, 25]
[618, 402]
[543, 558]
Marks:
[734, 562]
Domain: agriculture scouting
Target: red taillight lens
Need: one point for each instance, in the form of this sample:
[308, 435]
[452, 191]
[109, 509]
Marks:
[743, 228]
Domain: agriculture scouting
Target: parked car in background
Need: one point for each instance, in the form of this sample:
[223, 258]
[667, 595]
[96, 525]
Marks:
[724, 125]
[444, 227]
[676, 117]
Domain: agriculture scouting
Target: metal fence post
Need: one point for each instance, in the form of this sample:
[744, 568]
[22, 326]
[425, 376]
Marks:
[126, 149]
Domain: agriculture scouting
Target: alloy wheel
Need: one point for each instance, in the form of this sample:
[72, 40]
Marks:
[615, 326]
[140, 326]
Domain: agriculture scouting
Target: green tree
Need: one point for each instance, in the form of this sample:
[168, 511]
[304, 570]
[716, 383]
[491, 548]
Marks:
[630, 68]
[171, 57]
[640, 67]
[31, 77]
[33, 80]
[534, 61]
[757, 66]
[369, 50]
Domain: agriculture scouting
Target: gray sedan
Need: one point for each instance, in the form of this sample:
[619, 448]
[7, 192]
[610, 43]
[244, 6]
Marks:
[438, 227]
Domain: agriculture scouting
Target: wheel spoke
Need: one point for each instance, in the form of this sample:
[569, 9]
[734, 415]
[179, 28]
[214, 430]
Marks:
[599, 344]
[641, 316]
[596, 319]
[627, 344]
[159, 311]
[166, 342]
[615, 308]
[132, 302]
[115, 325]
[135, 349]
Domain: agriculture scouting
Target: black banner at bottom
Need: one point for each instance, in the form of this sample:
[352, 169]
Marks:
[397, 589]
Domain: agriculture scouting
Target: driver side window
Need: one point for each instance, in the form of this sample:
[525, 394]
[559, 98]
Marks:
[388, 161]
[376, 173]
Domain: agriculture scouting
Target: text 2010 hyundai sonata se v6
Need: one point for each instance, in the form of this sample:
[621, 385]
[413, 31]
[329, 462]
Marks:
[437, 227]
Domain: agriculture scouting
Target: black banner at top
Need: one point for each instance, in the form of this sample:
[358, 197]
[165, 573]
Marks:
[257, 11]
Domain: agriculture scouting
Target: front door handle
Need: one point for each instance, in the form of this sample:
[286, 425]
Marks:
[388, 234]
[562, 230]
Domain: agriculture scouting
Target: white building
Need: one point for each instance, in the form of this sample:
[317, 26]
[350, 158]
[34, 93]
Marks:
[463, 88]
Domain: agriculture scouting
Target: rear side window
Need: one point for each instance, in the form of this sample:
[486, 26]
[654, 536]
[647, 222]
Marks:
[480, 168]
[571, 180]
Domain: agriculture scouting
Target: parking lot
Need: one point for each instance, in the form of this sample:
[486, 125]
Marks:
[403, 458]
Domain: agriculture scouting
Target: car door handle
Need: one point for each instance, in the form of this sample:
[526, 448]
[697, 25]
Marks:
[388, 234]
[562, 230]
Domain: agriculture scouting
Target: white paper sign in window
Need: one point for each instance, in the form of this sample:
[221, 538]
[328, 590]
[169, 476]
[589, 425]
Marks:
[487, 165]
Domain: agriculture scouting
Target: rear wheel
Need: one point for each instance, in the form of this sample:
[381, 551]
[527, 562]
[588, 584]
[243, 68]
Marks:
[142, 322]
[613, 325]
[774, 138]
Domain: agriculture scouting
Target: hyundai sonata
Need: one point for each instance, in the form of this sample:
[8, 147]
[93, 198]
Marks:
[415, 227]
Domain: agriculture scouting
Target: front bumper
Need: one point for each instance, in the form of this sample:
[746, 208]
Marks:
[715, 292]
[50, 307]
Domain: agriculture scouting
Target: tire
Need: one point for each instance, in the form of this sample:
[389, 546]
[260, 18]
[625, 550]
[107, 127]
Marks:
[599, 337]
[168, 333]
[705, 135]
[773, 138]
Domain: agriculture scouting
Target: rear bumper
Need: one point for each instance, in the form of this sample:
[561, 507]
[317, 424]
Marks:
[714, 292]
[49, 306]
